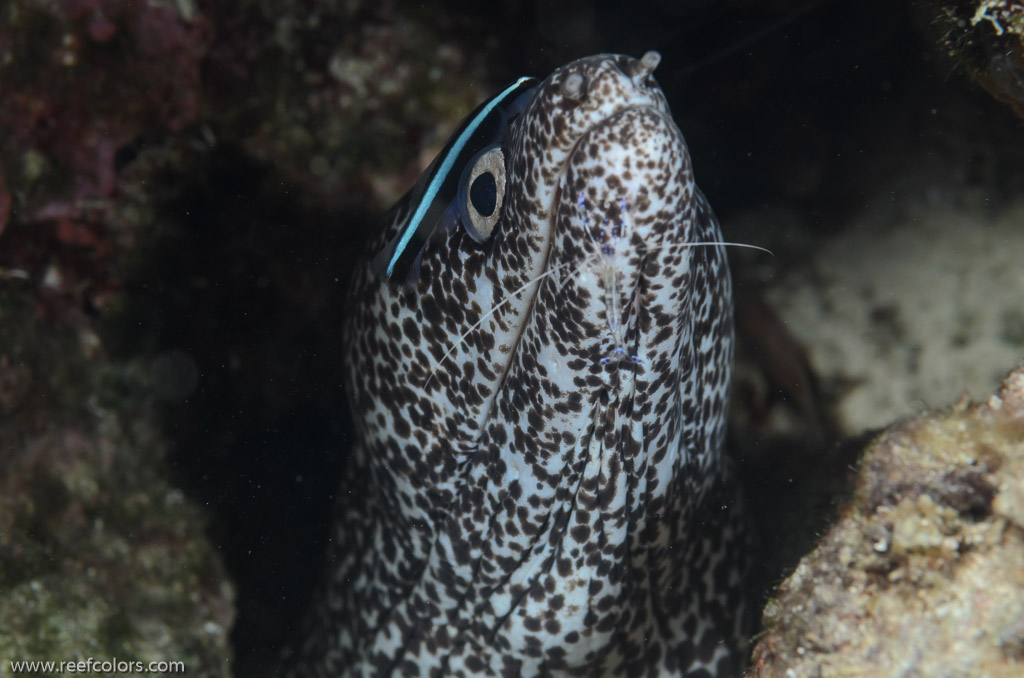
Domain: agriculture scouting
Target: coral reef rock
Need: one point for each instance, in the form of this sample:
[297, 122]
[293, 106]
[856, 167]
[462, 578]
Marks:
[102, 559]
[923, 574]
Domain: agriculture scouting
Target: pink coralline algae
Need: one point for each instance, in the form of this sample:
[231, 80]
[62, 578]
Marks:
[79, 80]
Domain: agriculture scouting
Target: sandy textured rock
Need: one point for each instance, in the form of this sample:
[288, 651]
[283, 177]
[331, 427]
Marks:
[923, 574]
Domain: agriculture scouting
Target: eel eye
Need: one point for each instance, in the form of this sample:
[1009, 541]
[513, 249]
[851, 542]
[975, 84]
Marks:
[484, 191]
[483, 194]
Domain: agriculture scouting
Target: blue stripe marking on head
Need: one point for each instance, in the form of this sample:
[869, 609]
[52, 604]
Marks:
[445, 169]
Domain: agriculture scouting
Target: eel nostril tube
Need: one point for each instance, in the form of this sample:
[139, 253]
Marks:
[646, 66]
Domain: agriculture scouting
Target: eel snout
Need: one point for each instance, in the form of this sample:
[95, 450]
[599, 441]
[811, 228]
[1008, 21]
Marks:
[624, 223]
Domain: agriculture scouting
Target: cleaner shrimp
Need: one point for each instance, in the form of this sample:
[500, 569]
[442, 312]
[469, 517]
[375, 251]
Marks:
[602, 263]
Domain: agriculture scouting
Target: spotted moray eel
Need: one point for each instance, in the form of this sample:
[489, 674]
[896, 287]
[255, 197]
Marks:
[538, 485]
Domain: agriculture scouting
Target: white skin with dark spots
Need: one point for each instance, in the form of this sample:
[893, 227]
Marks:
[550, 498]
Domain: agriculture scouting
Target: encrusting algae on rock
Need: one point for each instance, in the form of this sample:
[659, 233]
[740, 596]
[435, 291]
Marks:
[986, 39]
[102, 558]
[924, 572]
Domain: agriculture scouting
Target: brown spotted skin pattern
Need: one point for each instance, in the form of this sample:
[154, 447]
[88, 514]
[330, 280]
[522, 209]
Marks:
[552, 498]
